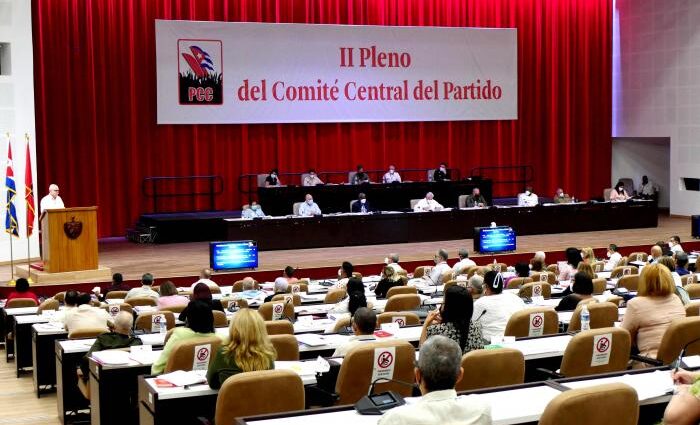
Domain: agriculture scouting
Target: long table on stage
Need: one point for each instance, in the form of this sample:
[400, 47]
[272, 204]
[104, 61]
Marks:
[397, 227]
[386, 197]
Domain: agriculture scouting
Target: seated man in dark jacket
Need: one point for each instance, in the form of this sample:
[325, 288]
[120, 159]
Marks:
[362, 204]
[120, 338]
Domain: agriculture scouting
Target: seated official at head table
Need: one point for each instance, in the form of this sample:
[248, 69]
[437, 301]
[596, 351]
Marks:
[619, 194]
[528, 198]
[252, 211]
[309, 208]
[476, 199]
[441, 174]
[428, 204]
[272, 179]
[438, 370]
[311, 179]
[391, 176]
[360, 176]
[560, 197]
[362, 204]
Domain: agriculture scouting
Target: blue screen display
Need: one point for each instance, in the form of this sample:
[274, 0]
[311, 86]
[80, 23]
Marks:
[496, 239]
[233, 255]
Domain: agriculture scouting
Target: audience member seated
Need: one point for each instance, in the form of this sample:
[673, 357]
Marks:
[280, 287]
[682, 263]
[495, 307]
[454, 320]
[201, 293]
[586, 269]
[389, 279]
[655, 254]
[344, 273]
[671, 266]
[476, 199]
[70, 303]
[249, 349]
[441, 266]
[560, 197]
[86, 316]
[354, 299]
[475, 284]
[272, 180]
[438, 370]
[650, 313]
[674, 243]
[205, 277]
[427, 204]
[311, 179]
[521, 270]
[22, 291]
[464, 261]
[145, 290]
[199, 322]
[587, 255]
[441, 173]
[582, 289]
[391, 176]
[684, 407]
[619, 194]
[362, 205]
[614, 258]
[537, 266]
[392, 260]
[309, 208]
[169, 297]
[573, 257]
[528, 198]
[117, 285]
[363, 323]
[360, 176]
[120, 337]
[252, 211]
[250, 293]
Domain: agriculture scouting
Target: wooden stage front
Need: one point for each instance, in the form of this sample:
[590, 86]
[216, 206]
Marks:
[186, 259]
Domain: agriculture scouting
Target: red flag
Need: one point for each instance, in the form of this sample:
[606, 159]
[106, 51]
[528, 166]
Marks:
[29, 190]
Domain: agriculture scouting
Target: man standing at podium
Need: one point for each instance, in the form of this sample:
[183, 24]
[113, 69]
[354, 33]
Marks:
[51, 201]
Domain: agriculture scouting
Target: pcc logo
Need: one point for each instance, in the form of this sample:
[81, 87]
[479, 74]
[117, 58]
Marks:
[201, 72]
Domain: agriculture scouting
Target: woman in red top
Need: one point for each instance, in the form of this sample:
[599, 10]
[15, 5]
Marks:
[22, 291]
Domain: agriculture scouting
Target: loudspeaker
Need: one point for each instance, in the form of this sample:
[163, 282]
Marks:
[695, 220]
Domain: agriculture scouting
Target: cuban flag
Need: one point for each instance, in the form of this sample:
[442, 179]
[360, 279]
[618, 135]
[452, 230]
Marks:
[11, 226]
[199, 61]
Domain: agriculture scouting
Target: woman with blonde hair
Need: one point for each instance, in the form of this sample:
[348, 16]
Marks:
[249, 349]
[587, 255]
[650, 313]
[586, 269]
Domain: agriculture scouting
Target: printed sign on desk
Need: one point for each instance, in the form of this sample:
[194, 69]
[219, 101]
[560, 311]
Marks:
[536, 324]
[202, 354]
[384, 363]
[277, 311]
[602, 346]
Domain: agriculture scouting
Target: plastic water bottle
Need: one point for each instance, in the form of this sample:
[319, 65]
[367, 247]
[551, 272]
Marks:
[163, 327]
[585, 319]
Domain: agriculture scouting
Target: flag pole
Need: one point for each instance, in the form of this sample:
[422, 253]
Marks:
[28, 171]
[9, 233]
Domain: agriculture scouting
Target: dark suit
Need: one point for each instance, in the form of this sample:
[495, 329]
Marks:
[439, 175]
[474, 201]
[357, 207]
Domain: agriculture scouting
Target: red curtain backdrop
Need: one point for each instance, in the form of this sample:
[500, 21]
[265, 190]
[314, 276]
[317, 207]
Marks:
[95, 89]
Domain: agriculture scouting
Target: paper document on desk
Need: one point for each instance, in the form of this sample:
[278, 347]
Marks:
[111, 357]
[145, 357]
[180, 378]
[650, 385]
[312, 340]
[49, 327]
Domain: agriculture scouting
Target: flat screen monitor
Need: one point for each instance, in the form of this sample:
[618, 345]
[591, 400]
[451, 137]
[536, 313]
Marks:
[494, 239]
[232, 255]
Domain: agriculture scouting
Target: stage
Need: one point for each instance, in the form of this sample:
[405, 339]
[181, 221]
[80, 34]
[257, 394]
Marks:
[182, 262]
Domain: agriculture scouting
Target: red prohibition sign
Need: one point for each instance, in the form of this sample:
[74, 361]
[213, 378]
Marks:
[156, 319]
[202, 354]
[537, 321]
[385, 360]
[400, 322]
[602, 345]
[278, 308]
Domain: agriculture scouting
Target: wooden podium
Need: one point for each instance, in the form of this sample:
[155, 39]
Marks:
[69, 239]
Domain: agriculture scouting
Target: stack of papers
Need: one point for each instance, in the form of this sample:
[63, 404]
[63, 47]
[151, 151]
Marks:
[180, 378]
[111, 357]
[145, 357]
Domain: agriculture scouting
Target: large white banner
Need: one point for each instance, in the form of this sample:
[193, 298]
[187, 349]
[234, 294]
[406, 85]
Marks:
[226, 72]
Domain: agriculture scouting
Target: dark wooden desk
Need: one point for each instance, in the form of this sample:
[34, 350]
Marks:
[43, 359]
[387, 197]
[114, 393]
[364, 229]
[69, 399]
[8, 322]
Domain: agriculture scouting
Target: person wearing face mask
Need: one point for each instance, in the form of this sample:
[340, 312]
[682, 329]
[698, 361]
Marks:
[311, 179]
[619, 194]
[528, 198]
[561, 198]
[344, 274]
[360, 176]
[476, 199]
[272, 180]
[647, 190]
[391, 176]
[674, 243]
[614, 258]
[251, 211]
[361, 205]
[309, 207]
[441, 174]
[427, 204]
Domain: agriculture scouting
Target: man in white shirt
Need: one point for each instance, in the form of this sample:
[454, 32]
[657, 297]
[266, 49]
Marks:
[51, 201]
[391, 176]
[495, 307]
[655, 254]
[87, 316]
[427, 204]
[309, 207]
[441, 266]
[205, 277]
[393, 261]
[145, 290]
[674, 243]
[70, 303]
[311, 179]
[614, 258]
[528, 198]
[438, 370]
[464, 261]
[363, 324]
[647, 189]
[252, 211]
